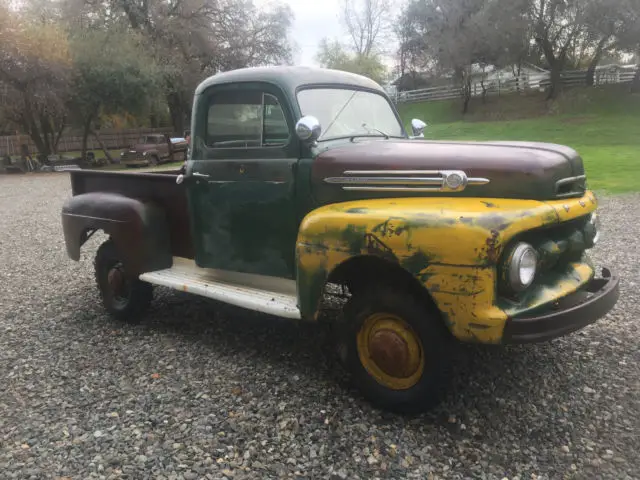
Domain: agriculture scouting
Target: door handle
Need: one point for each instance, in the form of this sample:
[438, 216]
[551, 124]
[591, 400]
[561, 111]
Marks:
[182, 177]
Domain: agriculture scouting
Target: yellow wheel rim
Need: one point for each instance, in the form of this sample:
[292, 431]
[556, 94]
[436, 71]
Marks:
[390, 351]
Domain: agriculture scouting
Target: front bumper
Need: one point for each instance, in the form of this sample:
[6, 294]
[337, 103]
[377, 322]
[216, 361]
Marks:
[138, 162]
[568, 315]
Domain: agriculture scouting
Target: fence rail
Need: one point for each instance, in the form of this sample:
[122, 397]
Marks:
[505, 84]
[113, 139]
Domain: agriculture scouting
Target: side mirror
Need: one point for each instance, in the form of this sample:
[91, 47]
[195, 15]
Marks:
[417, 127]
[308, 129]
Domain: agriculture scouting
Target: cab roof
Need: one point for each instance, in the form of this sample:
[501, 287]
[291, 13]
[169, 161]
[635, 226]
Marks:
[290, 79]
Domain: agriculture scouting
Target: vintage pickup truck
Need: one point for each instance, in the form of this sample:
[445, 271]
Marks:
[303, 180]
[153, 149]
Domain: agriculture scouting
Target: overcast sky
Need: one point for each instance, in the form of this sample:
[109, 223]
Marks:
[313, 20]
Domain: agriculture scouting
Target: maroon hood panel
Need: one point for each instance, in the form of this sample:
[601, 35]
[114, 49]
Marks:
[142, 147]
[524, 170]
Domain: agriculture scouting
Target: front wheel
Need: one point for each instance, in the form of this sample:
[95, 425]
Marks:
[124, 298]
[396, 349]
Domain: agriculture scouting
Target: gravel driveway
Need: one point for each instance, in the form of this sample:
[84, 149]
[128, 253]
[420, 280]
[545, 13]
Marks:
[205, 391]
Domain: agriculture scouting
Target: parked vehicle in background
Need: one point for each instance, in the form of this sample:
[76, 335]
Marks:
[302, 181]
[154, 149]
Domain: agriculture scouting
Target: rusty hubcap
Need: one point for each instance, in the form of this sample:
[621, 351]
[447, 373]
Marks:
[390, 351]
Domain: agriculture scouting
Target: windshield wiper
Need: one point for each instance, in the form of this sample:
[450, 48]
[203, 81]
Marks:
[340, 111]
[385, 135]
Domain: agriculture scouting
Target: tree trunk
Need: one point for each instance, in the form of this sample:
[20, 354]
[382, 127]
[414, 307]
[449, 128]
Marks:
[591, 70]
[555, 64]
[107, 154]
[85, 137]
[466, 94]
[47, 132]
[556, 81]
[176, 111]
[31, 126]
[59, 135]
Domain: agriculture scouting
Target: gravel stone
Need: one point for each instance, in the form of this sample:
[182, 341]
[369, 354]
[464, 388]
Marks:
[203, 390]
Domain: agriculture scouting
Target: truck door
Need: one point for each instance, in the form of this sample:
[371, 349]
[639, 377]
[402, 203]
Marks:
[241, 188]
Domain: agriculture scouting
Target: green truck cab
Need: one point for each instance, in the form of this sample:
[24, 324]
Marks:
[304, 181]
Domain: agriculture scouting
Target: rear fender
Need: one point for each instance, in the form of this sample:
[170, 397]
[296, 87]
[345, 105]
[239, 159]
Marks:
[139, 229]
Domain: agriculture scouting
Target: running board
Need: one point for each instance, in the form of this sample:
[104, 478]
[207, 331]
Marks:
[274, 296]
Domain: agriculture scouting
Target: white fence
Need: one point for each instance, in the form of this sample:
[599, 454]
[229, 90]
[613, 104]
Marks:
[504, 84]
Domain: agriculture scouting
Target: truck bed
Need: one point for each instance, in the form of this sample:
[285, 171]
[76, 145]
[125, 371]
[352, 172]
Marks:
[158, 187]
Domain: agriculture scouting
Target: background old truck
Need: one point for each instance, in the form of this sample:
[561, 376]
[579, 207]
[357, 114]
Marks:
[153, 149]
[300, 180]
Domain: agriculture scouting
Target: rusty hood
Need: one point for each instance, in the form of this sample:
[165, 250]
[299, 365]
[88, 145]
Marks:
[377, 168]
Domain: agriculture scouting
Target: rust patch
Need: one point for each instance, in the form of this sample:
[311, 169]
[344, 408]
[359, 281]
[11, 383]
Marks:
[488, 204]
[375, 246]
[493, 247]
[357, 210]
[390, 352]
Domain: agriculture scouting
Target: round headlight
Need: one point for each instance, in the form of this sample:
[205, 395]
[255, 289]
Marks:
[522, 266]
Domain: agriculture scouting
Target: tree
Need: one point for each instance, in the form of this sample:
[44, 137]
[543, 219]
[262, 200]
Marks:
[367, 24]
[332, 54]
[557, 25]
[34, 66]
[192, 39]
[628, 37]
[112, 74]
[451, 36]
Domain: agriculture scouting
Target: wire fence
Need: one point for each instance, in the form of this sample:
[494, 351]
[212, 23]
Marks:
[502, 84]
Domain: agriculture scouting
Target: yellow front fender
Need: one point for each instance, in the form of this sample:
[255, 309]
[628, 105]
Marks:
[451, 245]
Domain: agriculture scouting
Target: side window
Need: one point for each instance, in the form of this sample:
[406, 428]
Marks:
[275, 128]
[244, 120]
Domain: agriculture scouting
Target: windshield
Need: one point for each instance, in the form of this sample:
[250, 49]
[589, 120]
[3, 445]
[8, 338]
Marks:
[345, 112]
[146, 140]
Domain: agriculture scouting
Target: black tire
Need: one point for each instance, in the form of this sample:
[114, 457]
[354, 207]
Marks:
[426, 324]
[154, 160]
[134, 297]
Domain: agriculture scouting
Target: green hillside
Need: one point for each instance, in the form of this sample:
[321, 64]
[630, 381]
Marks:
[603, 125]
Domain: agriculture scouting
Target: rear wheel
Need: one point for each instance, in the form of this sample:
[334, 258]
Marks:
[396, 349]
[123, 297]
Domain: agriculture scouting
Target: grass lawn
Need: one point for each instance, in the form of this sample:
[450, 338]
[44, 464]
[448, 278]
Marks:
[606, 134]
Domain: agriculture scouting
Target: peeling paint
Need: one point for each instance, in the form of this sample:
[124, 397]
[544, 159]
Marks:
[451, 246]
[416, 262]
[357, 210]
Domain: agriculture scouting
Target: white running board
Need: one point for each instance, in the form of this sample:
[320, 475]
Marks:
[242, 290]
